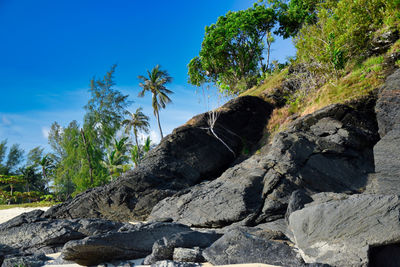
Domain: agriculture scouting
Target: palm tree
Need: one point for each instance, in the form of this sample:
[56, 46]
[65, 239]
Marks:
[155, 83]
[137, 122]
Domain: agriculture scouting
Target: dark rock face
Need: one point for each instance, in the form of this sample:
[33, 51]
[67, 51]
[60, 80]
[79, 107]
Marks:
[188, 255]
[380, 44]
[121, 245]
[296, 202]
[233, 197]
[388, 104]
[329, 150]
[237, 247]
[185, 157]
[386, 179]
[30, 233]
[36, 260]
[388, 256]
[340, 232]
[163, 249]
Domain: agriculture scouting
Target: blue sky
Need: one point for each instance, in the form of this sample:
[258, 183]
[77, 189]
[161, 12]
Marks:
[49, 51]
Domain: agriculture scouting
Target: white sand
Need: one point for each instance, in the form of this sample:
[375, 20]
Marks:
[8, 214]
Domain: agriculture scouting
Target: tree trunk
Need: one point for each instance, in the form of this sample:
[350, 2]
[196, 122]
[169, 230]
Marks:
[159, 125]
[88, 157]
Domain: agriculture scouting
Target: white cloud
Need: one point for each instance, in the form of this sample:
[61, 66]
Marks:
[6, 121]
[45, 132]
[154, 136]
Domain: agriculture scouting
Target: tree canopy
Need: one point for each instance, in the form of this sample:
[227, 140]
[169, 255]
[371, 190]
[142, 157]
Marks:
[232, 48]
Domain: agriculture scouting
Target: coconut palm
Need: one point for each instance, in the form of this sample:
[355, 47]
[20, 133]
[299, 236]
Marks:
[137, 122]
[155, 83]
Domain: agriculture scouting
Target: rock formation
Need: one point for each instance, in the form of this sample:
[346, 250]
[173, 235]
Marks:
[323, 192]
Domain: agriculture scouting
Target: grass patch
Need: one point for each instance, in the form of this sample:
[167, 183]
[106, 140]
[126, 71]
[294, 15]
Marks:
[28, 205]
[271, 82]
[358, 83]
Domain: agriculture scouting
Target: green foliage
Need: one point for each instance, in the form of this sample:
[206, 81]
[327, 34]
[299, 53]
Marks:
[105, 109]
[80, 152]
[231, 52]
[342, 31]
[292, 15]
[138, 152]
[155, 83]
[137, 122]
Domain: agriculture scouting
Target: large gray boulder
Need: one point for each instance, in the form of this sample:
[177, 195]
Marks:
[238, 246]
[30, 233]
[184, 158]
[329, 150]
[122, 245]
[343, 232]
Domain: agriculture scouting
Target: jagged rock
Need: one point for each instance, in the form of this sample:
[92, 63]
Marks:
[126, 245]
[35, 260]
[237, 247]
[329, 150]
[341, 232]
[388, 104]
[163, 249]
[386, 179]
[184, 158]
[234, 196]
[296, 202]
[188, 255]
[175, 264]
[30, 233]
[382, 42]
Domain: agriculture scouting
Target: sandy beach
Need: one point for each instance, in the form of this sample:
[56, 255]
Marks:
[8, 214]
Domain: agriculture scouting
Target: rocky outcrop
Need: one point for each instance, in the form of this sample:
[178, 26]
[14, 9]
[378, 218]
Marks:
[30, 233]
[184, 158]
[386, 179]
[36, 260]
[233, 197]
[122, 245]
[329, 150]
[237, 247]
[342, 232]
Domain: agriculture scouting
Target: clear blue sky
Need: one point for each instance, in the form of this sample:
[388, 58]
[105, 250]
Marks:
[50, 49]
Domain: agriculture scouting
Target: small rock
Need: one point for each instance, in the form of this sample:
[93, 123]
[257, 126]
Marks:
[188, 255]
[163, 249]
[175, 264]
